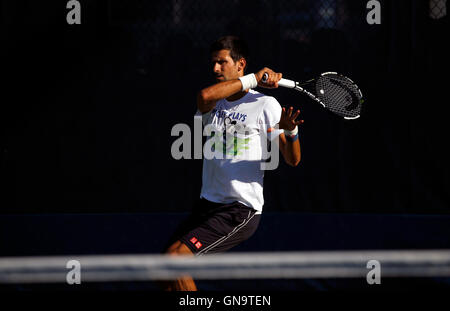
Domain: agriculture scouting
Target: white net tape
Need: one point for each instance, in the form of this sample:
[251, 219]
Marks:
[278, 265]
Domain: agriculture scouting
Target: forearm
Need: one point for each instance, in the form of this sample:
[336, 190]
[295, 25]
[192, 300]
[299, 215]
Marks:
[289, 141]
[208, 97]
[290, 150]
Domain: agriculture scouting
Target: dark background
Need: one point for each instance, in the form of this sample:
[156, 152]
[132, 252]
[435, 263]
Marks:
[87, 110]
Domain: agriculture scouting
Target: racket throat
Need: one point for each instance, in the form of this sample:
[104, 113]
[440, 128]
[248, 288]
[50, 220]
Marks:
[311, 95]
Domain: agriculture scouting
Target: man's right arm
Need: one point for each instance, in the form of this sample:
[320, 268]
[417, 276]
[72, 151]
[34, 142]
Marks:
[207, 98]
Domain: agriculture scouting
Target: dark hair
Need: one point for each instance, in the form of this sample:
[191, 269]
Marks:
[237, 47]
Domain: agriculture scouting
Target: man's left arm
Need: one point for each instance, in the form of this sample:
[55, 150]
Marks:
[289, 143]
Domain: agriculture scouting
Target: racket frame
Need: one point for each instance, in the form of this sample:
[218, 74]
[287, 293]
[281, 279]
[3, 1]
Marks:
[290, 84]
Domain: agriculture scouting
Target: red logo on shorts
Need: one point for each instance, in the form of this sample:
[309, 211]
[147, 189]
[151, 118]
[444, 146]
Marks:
[198, 245]
[193, 240]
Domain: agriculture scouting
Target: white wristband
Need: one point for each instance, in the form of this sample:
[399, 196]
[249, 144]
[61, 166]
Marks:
[291, 133]
[248, 82]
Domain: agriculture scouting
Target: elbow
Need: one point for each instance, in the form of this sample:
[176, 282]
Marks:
[202, 95]
[202, 100]
[294, 162]
[292, 158]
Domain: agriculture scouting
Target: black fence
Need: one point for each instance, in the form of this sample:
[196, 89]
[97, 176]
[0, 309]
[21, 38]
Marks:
[270, 27]
[87, 110]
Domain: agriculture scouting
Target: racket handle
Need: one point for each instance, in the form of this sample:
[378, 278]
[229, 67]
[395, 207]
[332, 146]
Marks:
[286, 83]
[283, 82]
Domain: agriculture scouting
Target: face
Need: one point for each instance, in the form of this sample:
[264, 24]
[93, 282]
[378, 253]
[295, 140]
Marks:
[225, 68]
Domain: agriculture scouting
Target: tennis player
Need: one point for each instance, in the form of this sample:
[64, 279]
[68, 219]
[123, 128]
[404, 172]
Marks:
[231, 198]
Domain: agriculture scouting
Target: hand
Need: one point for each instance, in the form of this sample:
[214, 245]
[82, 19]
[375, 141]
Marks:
[287, 120]
[272, 81]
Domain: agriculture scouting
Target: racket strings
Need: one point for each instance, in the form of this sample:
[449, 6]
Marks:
[340, 95]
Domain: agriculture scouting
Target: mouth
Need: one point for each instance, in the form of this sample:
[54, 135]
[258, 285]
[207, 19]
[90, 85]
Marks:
[219, 77]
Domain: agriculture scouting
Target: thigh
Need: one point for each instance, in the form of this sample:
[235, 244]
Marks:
[223, 229]
[198, 216]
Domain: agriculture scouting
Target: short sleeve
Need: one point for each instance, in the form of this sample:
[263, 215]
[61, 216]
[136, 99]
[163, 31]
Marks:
[205, 116]
[270, 117]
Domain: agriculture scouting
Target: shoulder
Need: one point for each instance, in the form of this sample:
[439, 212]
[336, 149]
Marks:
[269, 109]
[267, 102]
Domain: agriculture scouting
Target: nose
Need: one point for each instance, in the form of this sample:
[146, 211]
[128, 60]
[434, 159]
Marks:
[216, 68]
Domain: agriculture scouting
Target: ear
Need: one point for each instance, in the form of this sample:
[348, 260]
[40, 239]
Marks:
[242, 64]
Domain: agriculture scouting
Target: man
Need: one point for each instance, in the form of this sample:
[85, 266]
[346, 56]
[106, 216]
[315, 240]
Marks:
[232, 185]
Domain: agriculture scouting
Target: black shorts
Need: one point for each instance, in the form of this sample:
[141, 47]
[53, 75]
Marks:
[215, 227]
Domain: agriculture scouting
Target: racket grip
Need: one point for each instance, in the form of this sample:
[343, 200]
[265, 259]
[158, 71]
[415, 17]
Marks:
[283, 82]
[286, 83]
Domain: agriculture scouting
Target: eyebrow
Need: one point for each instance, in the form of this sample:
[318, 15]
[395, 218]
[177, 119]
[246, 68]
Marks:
[218, 60]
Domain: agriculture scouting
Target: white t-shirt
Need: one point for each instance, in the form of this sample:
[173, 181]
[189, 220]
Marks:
[232, 168]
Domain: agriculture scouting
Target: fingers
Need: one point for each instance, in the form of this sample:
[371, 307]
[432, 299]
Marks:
[272, 80]
[289, 113]
[288, 118]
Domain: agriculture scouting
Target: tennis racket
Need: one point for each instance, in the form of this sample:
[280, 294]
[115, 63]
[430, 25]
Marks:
[335, 92]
